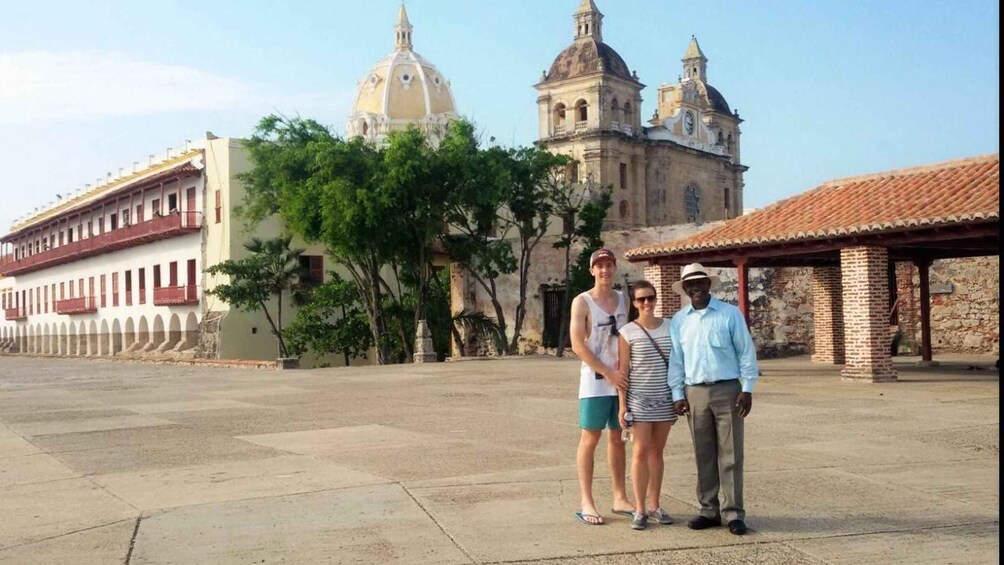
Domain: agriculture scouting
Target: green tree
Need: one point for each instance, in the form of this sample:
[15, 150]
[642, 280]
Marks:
[531, 176]
[582, 208]
[475, 177]
[270, 271]
[330, 321]
[374, 208]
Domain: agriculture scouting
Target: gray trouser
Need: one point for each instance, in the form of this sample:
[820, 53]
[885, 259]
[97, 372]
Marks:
[717, 430]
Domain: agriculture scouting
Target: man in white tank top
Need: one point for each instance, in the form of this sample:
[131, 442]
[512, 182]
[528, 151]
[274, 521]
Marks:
[597, 315]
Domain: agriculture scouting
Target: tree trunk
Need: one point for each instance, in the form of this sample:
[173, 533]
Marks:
[282, 345]
[458, 339]
[379, 324]
[524, 271]
[566, 303]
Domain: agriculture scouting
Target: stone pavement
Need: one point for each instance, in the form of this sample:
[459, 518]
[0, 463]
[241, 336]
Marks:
[472, 462]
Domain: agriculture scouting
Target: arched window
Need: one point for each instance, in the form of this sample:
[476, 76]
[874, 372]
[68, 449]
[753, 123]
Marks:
[559, 114]
[692, 203]
[729, 144]
[624, 209]
[365, 128]
[721, 139]
[581, 111]
[628, 114]
[615, 111]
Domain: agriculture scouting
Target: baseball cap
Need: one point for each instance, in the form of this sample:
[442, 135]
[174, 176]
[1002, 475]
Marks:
[602, 253]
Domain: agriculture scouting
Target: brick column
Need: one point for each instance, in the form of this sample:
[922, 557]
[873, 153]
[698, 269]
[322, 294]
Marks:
[827, 316]
[662, 278]
[865, 280]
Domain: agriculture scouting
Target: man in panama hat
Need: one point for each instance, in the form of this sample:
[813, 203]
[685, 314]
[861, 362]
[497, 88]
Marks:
[712, 371]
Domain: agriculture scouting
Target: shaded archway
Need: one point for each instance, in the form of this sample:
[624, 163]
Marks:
[189, 333]
[129, 337]
[560, 120]
[173, 335]
[92, 339]
[64, 347]
[104, 339]
[54, 340]
[72, 339]
[115, 343]
[156, 334]
[581, 111]
[142, 335]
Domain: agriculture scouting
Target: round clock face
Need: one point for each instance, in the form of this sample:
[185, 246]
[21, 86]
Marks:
[688, 123]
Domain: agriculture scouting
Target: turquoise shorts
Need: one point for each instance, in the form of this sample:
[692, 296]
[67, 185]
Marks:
[599, 412]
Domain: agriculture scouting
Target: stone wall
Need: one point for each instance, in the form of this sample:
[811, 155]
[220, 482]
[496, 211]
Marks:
[965, 305]
[965, 297]
[780, 299]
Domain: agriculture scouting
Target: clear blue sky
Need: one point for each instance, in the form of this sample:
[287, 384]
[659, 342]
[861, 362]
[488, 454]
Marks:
[828, 88]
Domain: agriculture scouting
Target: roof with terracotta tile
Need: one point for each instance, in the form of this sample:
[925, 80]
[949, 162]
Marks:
[964, 191]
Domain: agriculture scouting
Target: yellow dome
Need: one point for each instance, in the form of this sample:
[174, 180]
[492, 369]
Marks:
[400, 90]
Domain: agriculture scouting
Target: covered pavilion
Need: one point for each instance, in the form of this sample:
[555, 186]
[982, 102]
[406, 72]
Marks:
[851, 231]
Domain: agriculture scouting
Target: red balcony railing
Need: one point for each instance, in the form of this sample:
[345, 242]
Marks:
[15, 314]
[82, 305]
[154, 229]
[175, 295]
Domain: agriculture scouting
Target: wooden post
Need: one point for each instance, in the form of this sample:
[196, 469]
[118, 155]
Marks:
[923, 267]
[742, 266]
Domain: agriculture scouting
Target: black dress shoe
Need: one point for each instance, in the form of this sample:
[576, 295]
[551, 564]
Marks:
[702, 522]
[737, 527]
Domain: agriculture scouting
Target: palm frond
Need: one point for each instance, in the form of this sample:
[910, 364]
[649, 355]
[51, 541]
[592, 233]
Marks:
[480, 324]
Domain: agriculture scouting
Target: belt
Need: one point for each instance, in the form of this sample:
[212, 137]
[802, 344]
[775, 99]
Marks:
[715, 382]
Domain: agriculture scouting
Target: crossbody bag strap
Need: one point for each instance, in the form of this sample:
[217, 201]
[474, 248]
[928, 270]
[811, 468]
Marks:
[665, 359]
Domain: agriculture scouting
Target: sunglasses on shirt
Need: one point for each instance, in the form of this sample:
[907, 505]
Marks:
[612, 322]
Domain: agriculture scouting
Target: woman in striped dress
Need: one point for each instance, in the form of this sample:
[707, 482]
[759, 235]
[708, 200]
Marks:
[644, 357]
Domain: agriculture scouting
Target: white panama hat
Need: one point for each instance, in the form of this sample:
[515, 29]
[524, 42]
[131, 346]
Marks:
[691, 272]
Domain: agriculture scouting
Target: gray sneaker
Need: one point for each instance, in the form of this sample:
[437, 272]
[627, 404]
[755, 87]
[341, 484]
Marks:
[639, 521]
[661, 516]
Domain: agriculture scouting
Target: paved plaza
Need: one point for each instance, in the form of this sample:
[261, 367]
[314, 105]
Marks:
[473, 462]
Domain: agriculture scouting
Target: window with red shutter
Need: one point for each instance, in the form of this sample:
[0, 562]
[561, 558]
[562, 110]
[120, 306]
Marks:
[128, 288]
[141, 276]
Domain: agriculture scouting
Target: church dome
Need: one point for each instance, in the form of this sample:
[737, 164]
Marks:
[400, 90]
[588, 55]
[716, 100]
[585, 57]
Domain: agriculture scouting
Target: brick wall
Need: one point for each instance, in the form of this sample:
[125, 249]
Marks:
[662, 278]
[865, 281]
[828, 315]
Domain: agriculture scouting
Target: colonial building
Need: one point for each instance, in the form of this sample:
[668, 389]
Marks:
[119, 267]
[682, 167]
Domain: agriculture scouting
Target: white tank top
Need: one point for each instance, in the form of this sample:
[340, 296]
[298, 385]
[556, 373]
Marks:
[603, 344]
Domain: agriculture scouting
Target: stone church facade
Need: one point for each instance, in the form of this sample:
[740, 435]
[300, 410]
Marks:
[680, 166]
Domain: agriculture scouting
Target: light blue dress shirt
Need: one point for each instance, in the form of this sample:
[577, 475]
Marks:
[711, 345]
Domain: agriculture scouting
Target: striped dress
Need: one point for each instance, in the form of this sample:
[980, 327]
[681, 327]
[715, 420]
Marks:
[648, 398]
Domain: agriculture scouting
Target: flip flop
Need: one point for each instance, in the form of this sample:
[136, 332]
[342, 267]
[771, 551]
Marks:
[623, 512]
[582, 518]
